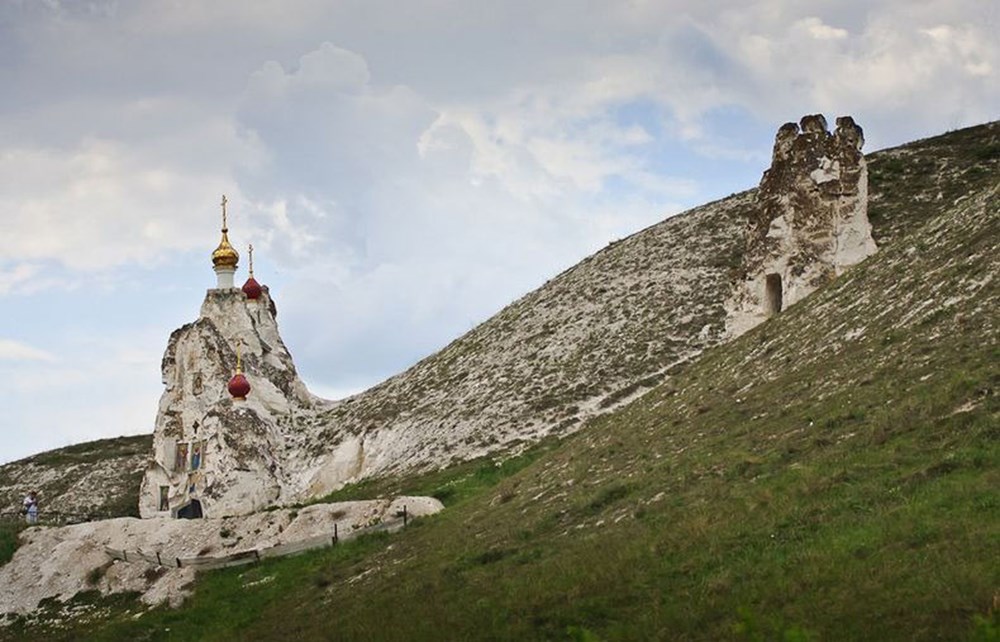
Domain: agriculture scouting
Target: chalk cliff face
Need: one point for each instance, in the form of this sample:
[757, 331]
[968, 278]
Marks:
[231, 456]
[810, 223]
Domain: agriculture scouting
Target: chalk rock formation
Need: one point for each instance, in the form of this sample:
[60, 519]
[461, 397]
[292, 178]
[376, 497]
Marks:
[214, 455]
[811, 222]
[59, 562]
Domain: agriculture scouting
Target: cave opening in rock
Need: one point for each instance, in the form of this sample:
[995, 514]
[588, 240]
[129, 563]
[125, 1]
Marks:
[772, 298]
[190, 511]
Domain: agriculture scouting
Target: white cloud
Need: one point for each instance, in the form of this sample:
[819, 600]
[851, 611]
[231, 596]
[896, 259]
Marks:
[11, 350]
[14, 278]
[820, 31]
[103, 203]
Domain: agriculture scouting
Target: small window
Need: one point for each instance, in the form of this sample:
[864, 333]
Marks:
[164, 498]
[772, 294]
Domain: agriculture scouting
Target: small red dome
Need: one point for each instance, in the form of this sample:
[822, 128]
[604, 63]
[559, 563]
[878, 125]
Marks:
[252, 289]
[239, 387]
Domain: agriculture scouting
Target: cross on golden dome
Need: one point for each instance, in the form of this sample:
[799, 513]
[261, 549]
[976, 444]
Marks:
[225, 255]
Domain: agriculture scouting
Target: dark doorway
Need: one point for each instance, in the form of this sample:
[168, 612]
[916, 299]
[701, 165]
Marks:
[191, 511]
[772, 296]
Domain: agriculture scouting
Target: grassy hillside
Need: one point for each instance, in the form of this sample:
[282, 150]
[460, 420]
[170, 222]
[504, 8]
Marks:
[830, 475]
[94, 478]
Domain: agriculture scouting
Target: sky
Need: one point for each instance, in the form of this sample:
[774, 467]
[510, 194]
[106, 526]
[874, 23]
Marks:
[403, 169]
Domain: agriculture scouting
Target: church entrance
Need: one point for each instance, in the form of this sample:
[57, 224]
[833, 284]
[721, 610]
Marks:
[190, 511]
[773, 294]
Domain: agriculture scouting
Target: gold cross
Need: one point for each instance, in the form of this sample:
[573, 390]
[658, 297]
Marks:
[224, 201]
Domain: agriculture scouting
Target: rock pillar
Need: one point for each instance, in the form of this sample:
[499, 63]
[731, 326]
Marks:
[810, 223]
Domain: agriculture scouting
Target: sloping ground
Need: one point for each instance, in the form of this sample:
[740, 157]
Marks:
[912, 183]
[615, 325]
[97, 478]
[597, 335]
[833, 472]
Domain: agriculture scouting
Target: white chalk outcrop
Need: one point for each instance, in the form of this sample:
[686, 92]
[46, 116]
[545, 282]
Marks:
[59, 562]
[214, 455]
[811, 222]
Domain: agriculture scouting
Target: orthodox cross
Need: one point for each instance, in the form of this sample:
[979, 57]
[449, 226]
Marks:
[224, 201]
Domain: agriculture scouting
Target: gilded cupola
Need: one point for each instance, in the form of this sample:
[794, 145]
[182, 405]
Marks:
[225, 255]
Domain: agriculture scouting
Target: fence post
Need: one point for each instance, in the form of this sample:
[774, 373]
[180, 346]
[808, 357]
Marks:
[178, 562]
[335, 536]
[124, 555]
[256, 555]
[158, 560]
[404, 515]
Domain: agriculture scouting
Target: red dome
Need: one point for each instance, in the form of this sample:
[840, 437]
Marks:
[251, 288]
[239, 387]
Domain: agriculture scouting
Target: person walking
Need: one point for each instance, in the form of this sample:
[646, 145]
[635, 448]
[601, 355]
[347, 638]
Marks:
[30, 508]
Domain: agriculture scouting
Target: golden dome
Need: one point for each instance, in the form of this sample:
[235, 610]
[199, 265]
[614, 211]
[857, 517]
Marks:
[225, 255]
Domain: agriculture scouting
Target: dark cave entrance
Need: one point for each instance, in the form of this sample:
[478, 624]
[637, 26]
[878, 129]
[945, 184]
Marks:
[191, 511]
[772, 294]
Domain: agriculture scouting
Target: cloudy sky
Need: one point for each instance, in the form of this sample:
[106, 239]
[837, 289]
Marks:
[403, 169]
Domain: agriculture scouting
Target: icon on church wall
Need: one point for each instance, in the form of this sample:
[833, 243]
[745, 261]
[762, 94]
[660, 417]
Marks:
[164, 498]
[196, 455]
[182, 457]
